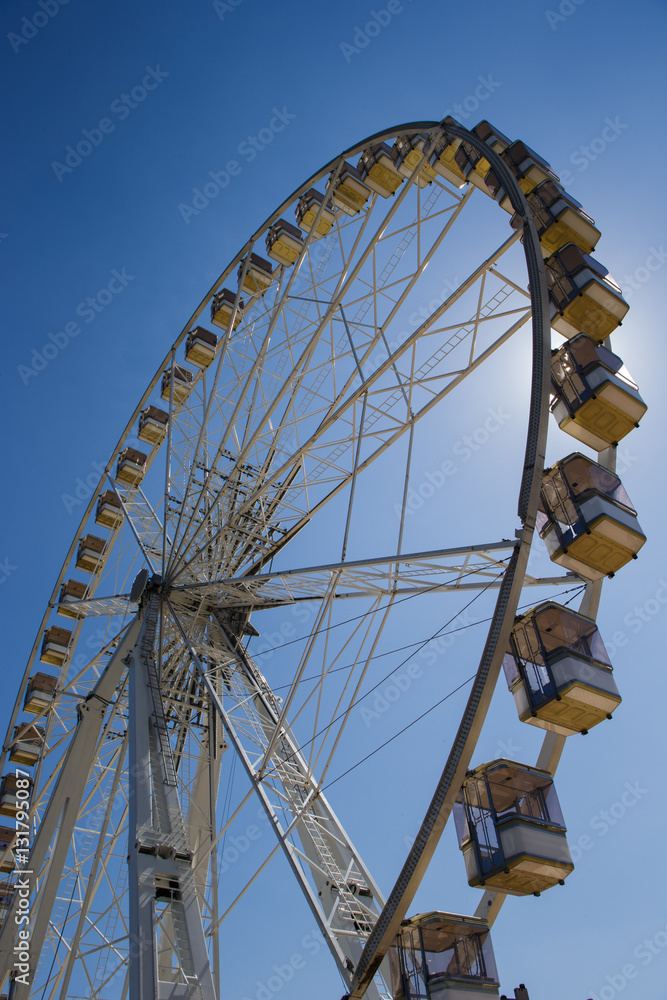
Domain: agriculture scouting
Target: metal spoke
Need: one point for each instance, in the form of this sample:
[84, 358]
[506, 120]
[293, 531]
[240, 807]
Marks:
[258, 495]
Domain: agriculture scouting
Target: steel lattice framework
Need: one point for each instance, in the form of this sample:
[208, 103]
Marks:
[323, 377]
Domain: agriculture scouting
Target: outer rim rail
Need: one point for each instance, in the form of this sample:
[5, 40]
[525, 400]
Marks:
[388, 924]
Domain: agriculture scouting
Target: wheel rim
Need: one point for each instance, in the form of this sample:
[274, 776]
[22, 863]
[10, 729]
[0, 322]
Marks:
[250, 467]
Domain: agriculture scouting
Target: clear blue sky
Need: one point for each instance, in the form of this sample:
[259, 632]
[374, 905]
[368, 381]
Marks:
[163, 94]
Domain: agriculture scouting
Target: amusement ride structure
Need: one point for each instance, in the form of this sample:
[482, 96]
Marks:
[253, 459]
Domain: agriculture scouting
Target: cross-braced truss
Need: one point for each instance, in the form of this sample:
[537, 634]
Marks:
[265, 467]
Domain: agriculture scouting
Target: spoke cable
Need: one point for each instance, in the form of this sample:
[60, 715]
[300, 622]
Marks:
[383, 679]
[412, 645]
[440, 631]
[400, 732]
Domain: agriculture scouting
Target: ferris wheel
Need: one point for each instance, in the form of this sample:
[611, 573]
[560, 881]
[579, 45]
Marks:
[245, 563]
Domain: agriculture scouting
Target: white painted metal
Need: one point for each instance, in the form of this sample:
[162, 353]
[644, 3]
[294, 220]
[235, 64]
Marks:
[303, 397]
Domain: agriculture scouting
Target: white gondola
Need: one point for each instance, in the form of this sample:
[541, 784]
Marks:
[511, 830]
[408, 153]
[90, 553]
[71, 591]
[182, 383]
[593, 396]
[257, 277]
[27, 743]
[131, 466]
[443, 159]
[200, 347]
[584, 296]
[472, 163]
[9, 801]
[348, 191]
[559, 219]
[152, 425]
[307, 212]
[109, 512]
[284, 242]
[55, 645]
[223, 308]
[586, 518]
[443, 956]
[528, 167]
[558, 670]
[40, 692]
[378, 171]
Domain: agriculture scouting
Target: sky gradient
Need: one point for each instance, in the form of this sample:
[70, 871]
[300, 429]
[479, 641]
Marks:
[146, 143]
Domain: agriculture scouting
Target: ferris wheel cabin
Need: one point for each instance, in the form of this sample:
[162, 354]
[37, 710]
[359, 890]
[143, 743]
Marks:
[559, 219]
[407, 153]
[258, 277]
[306, 213]
[443, 956]
[584, 297]
[55, 645]
[593, 396]
[378, 170]
[558, 670]
[27, 743]
[200, 347]
[153, 424]
[109, 512]
[40, 692]
[510, 829]
[223, 307]
[349, 193]
[586, 518]
[70, 591]
[284, 242]
[473, 165]
[10, 803]
[131, 466]
[443, 160]
[90, 553]
[181, 379]
[528, 167]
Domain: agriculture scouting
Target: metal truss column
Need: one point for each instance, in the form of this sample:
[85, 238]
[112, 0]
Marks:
[160, 861]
